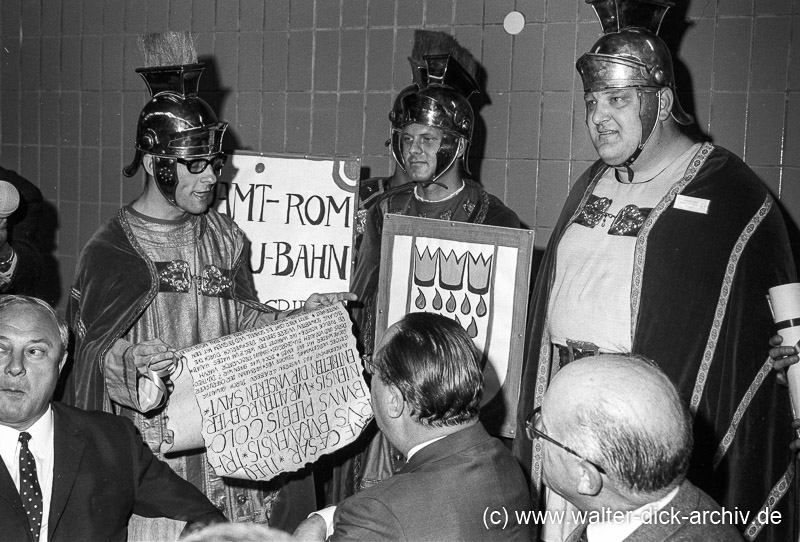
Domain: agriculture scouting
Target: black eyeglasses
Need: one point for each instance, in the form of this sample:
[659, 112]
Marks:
[199, 165]
[533, 434]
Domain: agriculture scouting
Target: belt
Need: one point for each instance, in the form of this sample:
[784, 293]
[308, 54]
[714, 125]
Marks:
[575, 350]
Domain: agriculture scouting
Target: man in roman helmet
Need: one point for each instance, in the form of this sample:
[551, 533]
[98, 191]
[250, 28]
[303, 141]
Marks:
[168, 272]
[426, 42]
[432, 123]
[666, 248]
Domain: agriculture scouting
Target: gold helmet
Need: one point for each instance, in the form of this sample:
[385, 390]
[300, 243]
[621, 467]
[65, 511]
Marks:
[631, 55]
[175, 125]
[440, 99]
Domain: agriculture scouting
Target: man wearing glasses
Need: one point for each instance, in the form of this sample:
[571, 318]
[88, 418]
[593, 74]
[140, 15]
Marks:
[616, 441]
[164, 274]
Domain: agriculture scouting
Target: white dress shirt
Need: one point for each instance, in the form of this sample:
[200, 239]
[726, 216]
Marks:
[617, 531]
[41, 446]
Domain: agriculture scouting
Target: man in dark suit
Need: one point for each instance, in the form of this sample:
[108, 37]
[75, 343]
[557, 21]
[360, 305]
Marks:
[69, 474]
[459, 483]
[616, 441]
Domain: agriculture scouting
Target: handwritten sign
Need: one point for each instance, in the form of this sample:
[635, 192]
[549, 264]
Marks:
[275, 398]
[297, 212]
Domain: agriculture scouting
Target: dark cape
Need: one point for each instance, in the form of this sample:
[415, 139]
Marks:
[113, 285]
[699, 311]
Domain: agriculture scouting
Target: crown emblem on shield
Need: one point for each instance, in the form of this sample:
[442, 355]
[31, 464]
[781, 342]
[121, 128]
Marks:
[424, 267]
[480, 270]
[451, 270]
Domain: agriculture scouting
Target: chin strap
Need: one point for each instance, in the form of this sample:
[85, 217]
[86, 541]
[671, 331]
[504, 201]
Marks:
[628, 170]
[632, 158]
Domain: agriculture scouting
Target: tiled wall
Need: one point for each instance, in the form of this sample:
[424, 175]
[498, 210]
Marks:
[318, 76]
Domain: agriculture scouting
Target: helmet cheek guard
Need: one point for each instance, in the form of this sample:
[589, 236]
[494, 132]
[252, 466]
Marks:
[165, 171]
[447, 154]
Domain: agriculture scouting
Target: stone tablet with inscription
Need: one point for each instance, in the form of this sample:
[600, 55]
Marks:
[274, 399]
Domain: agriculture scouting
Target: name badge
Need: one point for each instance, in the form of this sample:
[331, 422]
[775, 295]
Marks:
[688, 203]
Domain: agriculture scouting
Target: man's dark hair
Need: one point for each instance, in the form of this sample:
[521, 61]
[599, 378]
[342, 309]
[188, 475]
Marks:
[436, 366]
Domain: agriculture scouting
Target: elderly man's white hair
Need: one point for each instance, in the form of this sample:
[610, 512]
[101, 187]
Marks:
[625, 414]
[7, 301]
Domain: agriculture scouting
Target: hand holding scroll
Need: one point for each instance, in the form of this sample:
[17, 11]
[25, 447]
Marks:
[783, 357]
[153, 355]
[316, 301]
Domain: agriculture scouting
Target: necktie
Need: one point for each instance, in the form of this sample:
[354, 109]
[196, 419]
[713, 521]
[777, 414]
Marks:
[29, 488]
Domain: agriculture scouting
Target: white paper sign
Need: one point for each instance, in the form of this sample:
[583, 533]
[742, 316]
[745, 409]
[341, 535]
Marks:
[297, 213]
[275, 398]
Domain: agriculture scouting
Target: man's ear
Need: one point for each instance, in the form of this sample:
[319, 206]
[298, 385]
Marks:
[666, 99]
[147, 163]
[396, 403]
[462, 147]
[590, 481]
[62, 362]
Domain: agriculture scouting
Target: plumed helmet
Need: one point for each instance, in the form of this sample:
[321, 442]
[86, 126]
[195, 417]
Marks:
[176, 122]
[439, 98]
[631, 55]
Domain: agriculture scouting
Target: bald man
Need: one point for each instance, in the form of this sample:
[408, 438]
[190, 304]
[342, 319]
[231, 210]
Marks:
[616, 442]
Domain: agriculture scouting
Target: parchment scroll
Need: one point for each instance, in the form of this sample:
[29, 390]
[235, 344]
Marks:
[276, 398]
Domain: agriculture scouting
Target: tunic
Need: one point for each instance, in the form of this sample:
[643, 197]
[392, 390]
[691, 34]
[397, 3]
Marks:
[185, 282]
[698, 309]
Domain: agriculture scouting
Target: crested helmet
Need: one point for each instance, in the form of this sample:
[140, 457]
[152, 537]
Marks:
[630, 54]
[438, 98]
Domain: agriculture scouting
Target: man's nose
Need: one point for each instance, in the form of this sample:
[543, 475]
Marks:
[599, 114]
[416, 146]
[14, 364]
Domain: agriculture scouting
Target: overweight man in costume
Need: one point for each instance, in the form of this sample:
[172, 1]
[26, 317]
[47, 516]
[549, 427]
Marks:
[666, 248]
[68, 474]
[426, 386]
[167, 273]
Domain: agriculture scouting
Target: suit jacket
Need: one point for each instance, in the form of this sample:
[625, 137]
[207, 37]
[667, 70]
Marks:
[687, 501]
[102, 472]
[442, 493]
